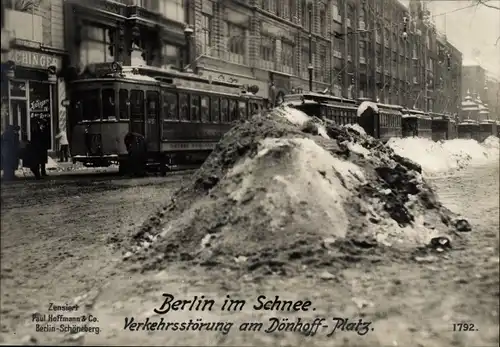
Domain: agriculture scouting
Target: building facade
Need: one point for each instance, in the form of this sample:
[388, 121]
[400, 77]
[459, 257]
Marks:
[32, 88]
[474, 80]
[493, 96]
[358, 49]
[479, 82]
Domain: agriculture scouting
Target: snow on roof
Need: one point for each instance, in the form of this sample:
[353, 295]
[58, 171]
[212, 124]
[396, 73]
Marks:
[468, 121]
[366, 105]
[132, 76]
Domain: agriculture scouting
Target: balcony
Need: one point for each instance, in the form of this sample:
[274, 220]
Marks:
[362, 60]
[266, 65]
[152, 18]
[361, 25]
[337, 54]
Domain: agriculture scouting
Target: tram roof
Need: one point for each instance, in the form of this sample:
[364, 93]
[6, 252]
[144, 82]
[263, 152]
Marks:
[409, 113]
[396, 107]
[101, 72]
[468, 122]
[318, 97]
[175, 83]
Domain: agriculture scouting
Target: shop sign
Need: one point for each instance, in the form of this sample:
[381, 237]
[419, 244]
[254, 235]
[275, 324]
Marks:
[34, 59]
[243, 81]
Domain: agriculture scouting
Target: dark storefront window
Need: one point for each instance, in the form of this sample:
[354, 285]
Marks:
[40, 110]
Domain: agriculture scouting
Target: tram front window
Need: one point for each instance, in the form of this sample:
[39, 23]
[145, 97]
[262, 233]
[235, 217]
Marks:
[88, 104]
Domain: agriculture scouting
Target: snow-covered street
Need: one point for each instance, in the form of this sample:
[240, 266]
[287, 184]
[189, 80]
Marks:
[62, 240]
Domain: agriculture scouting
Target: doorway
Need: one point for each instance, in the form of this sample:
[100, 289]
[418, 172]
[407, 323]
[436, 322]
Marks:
[19, 117]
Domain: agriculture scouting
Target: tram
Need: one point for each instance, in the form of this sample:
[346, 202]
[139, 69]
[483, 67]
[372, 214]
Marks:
[444, 127]
[487, 127]
[181, 115]
[468, 129]
[417, 123]
[382, 121]
[339, 110]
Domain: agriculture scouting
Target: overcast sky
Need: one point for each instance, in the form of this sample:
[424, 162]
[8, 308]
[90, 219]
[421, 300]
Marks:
[473, 30]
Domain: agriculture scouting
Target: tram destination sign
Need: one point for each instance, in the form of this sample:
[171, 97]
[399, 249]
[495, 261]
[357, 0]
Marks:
[35, 60]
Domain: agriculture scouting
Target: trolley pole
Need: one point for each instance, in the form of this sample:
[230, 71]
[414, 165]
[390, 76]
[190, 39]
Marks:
[310, 67]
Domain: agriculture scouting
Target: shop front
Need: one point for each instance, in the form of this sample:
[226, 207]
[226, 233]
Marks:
[30, 93]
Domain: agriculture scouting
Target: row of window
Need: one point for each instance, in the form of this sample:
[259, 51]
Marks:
[389, 120]
[175, 106]
[340, 116]
[97, 46]
[202, 108]
[171, 9]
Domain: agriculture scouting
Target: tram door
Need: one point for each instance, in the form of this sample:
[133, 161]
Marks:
[152, 120]
[137, 112]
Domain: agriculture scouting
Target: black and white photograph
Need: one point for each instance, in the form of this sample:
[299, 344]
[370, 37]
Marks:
[250, 173]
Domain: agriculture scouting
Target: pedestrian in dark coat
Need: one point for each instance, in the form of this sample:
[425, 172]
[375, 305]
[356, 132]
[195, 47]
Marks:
[29, 157]
[10, 151]
[39, 149]
[137, 153]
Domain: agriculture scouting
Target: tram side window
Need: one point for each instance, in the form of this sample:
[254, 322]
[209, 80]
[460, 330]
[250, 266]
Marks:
[87, 104]
[205, 109]
[252, 108]
[184, 107]
[224, 111]
[195, 108]
[123, 104]
[242, 106]
[233, 110]
[137, 104]
[170, 106]
[152, 106]
[215, 110]
[108, 104]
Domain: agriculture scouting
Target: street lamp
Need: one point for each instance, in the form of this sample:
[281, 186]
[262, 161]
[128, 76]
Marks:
[310, 67]
[188, 33]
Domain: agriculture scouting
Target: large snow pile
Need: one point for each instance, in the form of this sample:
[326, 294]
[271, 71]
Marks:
[451, 155]
[278, 197]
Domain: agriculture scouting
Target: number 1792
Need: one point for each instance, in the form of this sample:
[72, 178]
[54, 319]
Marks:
[464, 327]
